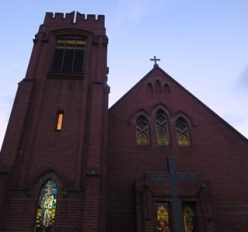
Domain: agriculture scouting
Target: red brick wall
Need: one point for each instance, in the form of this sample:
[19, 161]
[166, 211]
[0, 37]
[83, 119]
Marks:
[72, 157]
[104, 175]
[217, 153]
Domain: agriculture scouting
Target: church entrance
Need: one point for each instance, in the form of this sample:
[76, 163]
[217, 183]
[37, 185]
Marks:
[171, 202]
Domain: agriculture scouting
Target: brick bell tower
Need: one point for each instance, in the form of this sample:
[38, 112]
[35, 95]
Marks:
[52, 174]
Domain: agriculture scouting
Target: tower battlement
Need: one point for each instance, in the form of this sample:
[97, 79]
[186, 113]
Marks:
[74, 18]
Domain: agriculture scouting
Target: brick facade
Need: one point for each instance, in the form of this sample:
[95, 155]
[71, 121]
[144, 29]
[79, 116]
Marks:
[105, 181]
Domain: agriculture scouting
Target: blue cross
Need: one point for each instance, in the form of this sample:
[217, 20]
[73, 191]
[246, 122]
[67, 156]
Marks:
[173, 178]
[155, 59]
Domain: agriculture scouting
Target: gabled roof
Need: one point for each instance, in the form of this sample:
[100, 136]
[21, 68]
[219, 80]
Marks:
[157, 68]
[138, 84]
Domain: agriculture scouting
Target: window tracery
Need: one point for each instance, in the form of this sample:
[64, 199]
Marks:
[162, 128]
[142, 131]
[182, 131]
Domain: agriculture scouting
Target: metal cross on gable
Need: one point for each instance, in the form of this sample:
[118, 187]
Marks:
[172, 177]
[155, 59]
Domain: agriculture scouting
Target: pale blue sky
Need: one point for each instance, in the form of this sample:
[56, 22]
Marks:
[201, 43]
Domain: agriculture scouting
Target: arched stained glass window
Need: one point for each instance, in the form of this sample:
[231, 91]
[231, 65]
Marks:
[189, 220]
[46, 208]
[163, 224]
[182, 132]
[142, 131]
[162, 128]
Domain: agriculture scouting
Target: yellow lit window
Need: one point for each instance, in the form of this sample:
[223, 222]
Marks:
[60, 121]
[162, 128]
[47, 207]
[163, 218]
[189, 217]
[182, 131]
[142, 131]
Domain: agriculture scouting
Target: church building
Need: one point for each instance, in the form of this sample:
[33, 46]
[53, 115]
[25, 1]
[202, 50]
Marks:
[158, 160]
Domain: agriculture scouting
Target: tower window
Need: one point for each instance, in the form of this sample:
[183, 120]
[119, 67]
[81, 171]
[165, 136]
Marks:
[60, 121]
[47, 208]
[142, 131]
[68, 55]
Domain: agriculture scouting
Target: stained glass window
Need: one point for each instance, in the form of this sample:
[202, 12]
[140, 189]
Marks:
[142, 131]
[182, 132]
[69, 55]
[47, 208]
[162, 128]
[163, 218]
[189, 220]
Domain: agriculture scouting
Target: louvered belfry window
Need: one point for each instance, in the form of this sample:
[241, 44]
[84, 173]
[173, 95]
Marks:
[68, 55]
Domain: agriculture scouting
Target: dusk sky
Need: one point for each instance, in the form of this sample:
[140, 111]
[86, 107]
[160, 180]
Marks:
[202, 44]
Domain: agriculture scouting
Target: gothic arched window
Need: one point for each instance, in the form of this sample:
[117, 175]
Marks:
[142, 131]
[47, 208]
[162, 128]
[182, 131]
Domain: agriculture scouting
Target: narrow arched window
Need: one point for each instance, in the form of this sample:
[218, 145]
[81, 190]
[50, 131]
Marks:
[163, 218]
[182, 132]
[60, 118]
[47, 208]
[142, 131]
[162, 128]
[189, 218]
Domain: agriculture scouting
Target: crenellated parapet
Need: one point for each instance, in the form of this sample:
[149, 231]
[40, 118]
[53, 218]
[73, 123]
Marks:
[74, 19]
